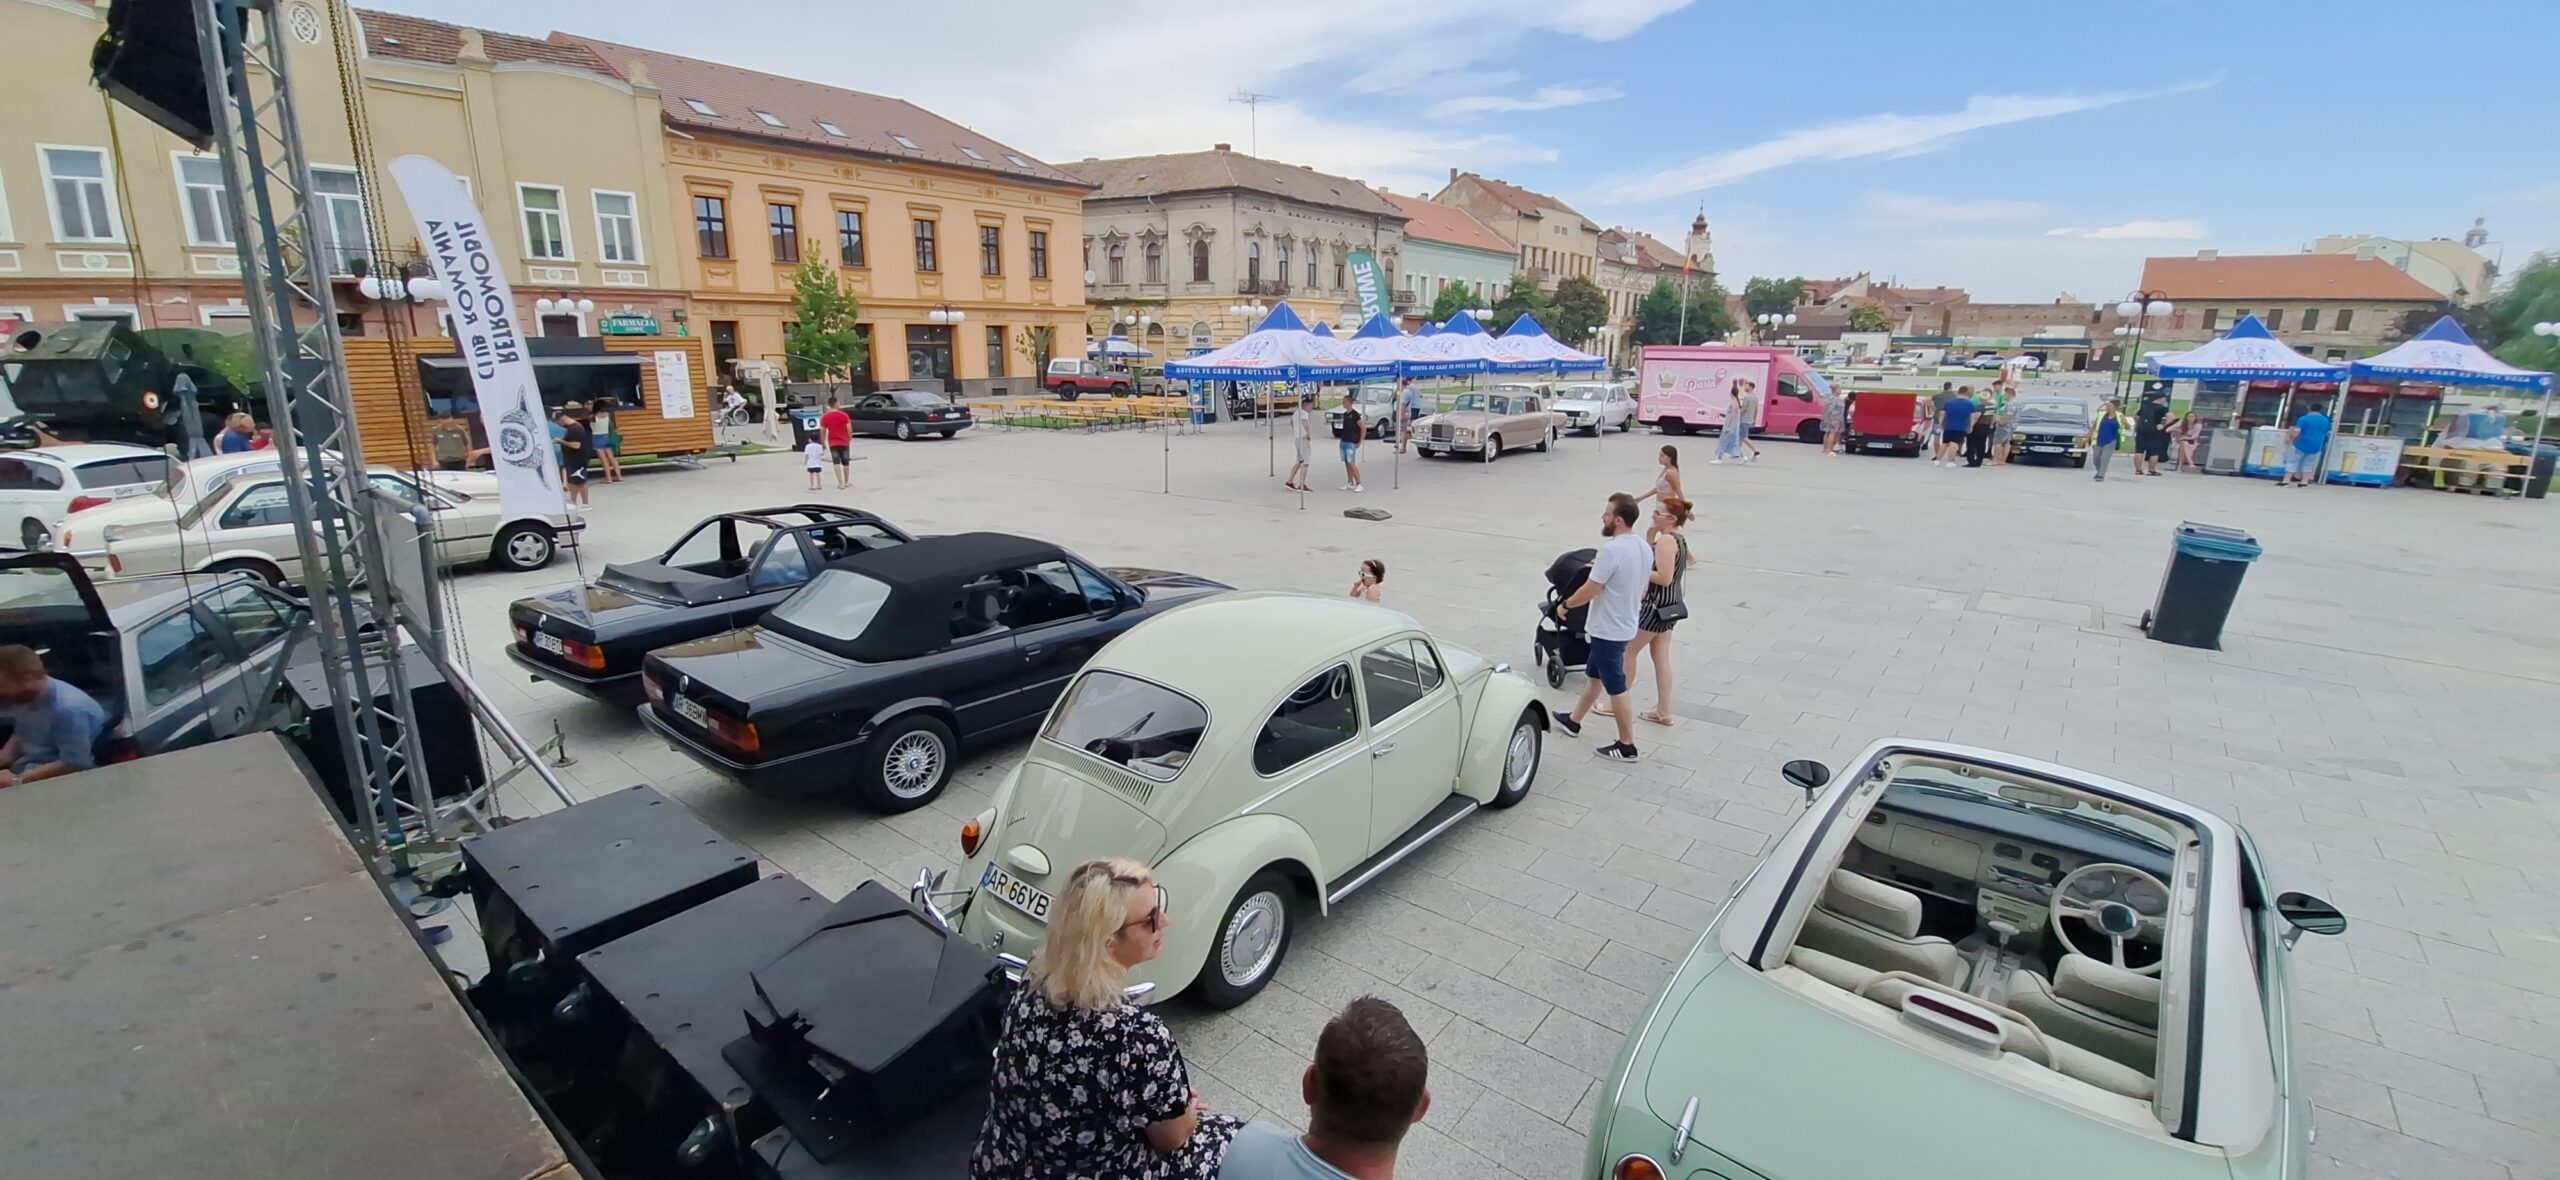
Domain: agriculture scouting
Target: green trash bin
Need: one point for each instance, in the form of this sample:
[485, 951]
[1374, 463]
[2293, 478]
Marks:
[2206, 564]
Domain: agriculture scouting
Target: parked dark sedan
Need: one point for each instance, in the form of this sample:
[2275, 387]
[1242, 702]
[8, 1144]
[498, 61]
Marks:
[871, 677]
[908, 414]
[723, 575]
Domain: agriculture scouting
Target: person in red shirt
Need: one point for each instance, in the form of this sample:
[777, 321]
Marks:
[836, 428]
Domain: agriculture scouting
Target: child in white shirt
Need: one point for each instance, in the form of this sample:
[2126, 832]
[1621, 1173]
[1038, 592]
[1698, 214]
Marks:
[815, 454]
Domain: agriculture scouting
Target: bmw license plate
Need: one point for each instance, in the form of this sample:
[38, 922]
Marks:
[549, 643]
[690, 710]
[1001, 885]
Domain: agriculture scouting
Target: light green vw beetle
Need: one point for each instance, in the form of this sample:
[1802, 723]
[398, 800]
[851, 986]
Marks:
[1963, 963]
[1268, 753]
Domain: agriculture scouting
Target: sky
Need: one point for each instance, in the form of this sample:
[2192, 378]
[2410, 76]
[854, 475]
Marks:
[2019, 150]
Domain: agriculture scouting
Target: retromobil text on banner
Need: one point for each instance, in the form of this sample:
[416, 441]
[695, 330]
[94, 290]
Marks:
[458, 244]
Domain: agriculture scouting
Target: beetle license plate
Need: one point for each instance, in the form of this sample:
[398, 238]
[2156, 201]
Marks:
[690, 710]
[1004, 888]
[549, 643]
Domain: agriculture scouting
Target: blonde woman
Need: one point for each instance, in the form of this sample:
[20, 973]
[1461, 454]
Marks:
[1087, 1083]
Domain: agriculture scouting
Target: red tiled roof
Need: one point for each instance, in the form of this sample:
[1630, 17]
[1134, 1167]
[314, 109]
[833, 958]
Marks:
[1526, 202]
[2284, 276]
[871, 122]
[411, 38]
[1448, 225]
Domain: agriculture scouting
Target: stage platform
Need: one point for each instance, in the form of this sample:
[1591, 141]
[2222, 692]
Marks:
[199, 979]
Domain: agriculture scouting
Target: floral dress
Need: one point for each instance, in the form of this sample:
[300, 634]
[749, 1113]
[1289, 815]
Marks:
[1074, 1090]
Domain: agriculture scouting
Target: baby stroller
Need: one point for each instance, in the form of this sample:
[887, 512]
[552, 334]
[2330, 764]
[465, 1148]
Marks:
[1562, 645]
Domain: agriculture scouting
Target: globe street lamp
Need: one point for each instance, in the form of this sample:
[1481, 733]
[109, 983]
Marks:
[2140, 308]
[947, 314]
[1771, 321]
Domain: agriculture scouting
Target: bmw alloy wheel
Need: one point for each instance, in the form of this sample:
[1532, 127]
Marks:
[529, 550]
[913, 765]
[1255, 932]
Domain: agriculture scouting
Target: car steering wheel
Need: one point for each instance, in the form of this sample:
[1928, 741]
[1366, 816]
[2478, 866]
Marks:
[2115, 919]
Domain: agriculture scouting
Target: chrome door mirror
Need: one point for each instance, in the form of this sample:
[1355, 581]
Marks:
[2308, 915]
[1808, 776]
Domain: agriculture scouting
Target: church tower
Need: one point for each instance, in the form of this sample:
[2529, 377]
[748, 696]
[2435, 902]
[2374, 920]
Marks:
[1701, 247]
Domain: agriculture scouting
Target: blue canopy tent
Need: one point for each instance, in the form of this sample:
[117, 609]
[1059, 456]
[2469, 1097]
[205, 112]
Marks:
[1279, 349]
[2248, 352]
[1111, 346]
[1527, 333]
[2445, 354]
[1464, 325]
[1427, 329]
[1378, 339]
[1322, 329]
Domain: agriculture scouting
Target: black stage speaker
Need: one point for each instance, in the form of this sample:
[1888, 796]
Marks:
[148, 61]
[663, 1001]
[875, 1022]
[453, 763]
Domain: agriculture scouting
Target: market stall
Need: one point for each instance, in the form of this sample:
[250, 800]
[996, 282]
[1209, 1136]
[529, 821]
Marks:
[2446, 355]
[1529, 338]
[2246, 353]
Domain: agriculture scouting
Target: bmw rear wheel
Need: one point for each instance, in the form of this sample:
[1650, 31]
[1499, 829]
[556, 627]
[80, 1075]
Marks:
[906, 433]
[906, 764]
[1252, 940]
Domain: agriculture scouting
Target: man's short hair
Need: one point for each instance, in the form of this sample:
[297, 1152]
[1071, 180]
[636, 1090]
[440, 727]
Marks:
[1371, 1073]
[19, 663]
[1624, 507]
[831, 399]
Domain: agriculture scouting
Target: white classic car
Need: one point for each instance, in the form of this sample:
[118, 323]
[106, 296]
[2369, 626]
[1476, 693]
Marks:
[230, 513]
[1268, 753]
[1596, 406]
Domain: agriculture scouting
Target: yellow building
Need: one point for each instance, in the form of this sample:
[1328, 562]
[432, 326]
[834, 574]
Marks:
[957, 245]
[565, 155]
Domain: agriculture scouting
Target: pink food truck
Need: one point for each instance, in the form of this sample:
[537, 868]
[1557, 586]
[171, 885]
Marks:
[1683, 389]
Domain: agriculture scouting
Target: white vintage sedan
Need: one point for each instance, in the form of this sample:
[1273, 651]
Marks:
[1268, 753]
[1597, 405]
[238, 519]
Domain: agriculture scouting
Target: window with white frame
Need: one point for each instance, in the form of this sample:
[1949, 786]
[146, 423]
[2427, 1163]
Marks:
[200, 199]
[617, 227]
[78, 190]
[546, 229]
[8, 231]
[343, 238]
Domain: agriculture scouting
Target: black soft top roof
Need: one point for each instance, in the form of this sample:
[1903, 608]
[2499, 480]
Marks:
[924, 577]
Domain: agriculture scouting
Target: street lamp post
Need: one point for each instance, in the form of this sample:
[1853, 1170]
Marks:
[950, 317]
[1771, 321]
[2140, 308]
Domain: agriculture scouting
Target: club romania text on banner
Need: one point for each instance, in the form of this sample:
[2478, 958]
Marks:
[458, 243]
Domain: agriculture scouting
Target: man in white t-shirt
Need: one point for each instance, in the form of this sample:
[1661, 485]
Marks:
[1615, 593]
[1301, 433]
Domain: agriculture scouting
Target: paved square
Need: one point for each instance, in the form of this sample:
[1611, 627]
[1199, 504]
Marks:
[2373, 720]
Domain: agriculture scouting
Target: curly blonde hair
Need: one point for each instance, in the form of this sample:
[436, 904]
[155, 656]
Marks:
[1074, 967]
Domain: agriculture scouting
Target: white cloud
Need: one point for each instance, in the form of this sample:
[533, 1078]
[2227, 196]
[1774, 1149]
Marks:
[1886, 135]
[1885, 208]
[1065, 84]
[2182, 230]
[1546, 98]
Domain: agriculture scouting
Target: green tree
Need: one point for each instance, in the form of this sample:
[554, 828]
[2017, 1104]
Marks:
[1454, 298]
[1761, 296]
[1524, 298]
[1658, 315]
[1579, 310]
[826, 333]
[1659, 319]
[2531, 297]
[1037, 345]
[1867, 317]
[1710, 321]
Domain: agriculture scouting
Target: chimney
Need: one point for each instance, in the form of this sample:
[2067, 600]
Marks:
[1226, 147]
[2207, 255]
[1453, 176]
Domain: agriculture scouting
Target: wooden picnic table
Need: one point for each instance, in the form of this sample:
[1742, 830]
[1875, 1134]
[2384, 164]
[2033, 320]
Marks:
[2418, 463]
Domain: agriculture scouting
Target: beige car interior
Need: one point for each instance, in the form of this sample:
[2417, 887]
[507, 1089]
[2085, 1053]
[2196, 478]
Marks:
[1980, 863]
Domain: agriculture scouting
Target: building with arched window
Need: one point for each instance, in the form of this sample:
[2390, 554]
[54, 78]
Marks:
[1245, 229]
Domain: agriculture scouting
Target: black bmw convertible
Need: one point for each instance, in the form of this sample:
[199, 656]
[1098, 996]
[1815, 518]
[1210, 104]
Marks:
[871, 677]
[722, 575]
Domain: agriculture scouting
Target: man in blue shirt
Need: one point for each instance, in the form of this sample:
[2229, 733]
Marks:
[1954, 419]
[2310, 441]
[54, 725]
[1408, 410]
[1368, 1086]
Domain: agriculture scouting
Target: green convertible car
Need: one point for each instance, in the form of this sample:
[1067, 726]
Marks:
[1963, 963]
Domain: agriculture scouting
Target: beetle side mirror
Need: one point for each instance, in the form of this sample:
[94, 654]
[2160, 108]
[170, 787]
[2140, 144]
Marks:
[2308, 915]
[1807, 775]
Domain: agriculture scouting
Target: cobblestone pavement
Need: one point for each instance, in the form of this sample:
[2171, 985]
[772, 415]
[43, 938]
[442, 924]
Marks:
[2370, 721]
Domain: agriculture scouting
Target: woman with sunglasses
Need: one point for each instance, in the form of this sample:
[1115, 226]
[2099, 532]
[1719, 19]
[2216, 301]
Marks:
[1086, 1083]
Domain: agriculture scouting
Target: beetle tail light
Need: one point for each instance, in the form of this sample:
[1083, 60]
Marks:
[1636, 1167]
[971, 835]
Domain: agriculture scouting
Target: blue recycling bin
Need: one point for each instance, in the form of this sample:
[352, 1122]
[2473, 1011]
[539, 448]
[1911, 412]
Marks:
[804, 424]
[2206, 564]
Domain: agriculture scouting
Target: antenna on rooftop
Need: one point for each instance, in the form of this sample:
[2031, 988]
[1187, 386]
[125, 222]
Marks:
[1253, 118]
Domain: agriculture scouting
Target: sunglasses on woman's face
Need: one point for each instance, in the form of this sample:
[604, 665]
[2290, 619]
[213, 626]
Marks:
[1156, 918]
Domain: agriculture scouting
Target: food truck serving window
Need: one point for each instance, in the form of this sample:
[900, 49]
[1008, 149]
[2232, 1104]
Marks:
[610, 378]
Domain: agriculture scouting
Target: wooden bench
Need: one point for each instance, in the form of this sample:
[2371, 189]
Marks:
[2418, 464]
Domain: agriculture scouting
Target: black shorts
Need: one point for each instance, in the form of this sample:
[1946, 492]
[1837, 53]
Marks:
[2153, 444]
[840, 455]
[577, 476]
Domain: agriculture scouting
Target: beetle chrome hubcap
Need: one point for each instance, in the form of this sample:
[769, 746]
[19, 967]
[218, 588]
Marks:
[1521, 760]
[1253, 938]
[912, 765]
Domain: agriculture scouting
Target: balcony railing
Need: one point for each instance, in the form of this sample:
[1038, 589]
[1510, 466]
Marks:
[1404, 298]
[1275, 288]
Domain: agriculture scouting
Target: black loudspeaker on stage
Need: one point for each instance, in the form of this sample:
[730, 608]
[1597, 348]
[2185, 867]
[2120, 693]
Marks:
[148, 60]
